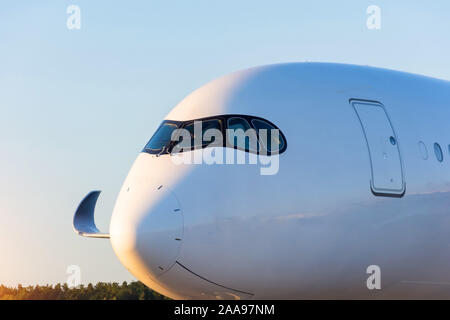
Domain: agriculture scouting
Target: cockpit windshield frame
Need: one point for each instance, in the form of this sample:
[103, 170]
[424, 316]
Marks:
[223, 120]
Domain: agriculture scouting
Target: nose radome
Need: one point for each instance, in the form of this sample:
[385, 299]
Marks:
[147, 229]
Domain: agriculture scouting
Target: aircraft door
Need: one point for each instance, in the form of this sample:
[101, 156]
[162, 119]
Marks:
[383, 147]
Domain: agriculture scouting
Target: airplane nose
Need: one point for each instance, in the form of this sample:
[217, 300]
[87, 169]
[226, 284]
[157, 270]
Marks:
[147, 229]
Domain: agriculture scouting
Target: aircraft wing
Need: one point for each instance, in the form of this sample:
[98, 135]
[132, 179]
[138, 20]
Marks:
[83, 220]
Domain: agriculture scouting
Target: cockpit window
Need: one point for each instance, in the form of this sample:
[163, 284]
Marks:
[241, 135]
[207, 135]
[243, 132]
[271, 140]
[162, 138]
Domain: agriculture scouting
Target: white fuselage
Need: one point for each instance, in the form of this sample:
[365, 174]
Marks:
[355, 188]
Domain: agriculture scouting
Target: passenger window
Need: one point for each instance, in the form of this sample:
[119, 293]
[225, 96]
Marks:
[239, 135]
[423, 150]
[438, 152]
[271, 142]
[206, 126]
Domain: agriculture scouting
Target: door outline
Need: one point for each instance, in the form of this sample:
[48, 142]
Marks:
[396, 193]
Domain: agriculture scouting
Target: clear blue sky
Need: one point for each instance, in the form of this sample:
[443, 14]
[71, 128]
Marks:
[76, 106]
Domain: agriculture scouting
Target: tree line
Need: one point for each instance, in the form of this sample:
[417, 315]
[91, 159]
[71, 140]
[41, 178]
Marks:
[101, 291]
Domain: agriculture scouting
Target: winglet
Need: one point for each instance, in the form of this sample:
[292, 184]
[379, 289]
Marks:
[83, 220]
